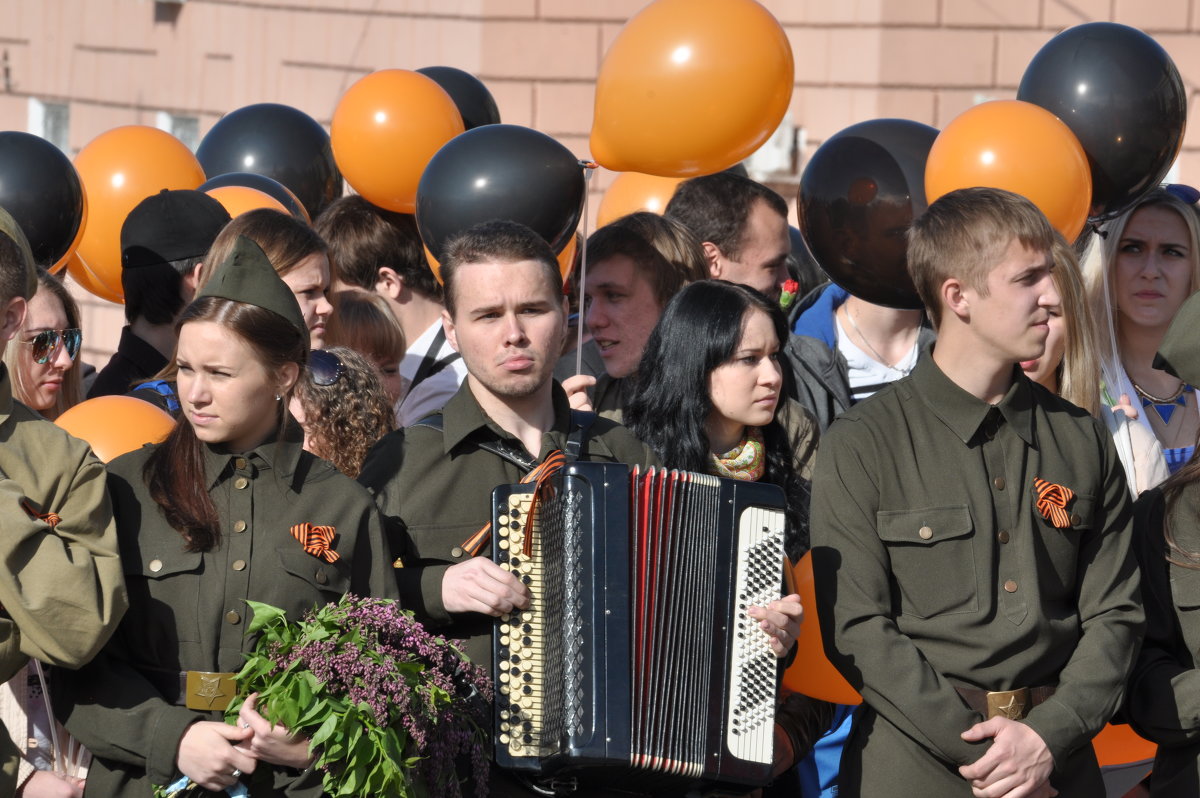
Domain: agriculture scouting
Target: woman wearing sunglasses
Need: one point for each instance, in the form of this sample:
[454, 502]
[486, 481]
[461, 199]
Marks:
[42, 355]
[228, 509]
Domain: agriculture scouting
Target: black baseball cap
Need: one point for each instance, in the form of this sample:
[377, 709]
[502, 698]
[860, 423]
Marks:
[169, 226]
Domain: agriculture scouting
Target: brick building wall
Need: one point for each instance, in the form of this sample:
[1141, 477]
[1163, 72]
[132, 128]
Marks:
[114, 62]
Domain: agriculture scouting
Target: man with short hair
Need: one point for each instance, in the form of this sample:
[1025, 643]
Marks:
[742, 226]
[163, 241]
[506, 313]
[971, 538]
[372, 249]
[62, 591]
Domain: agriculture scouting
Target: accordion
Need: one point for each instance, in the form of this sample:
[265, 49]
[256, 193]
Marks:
[636, 663]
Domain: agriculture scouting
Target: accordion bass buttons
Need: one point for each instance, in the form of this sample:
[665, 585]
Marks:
[520, 632]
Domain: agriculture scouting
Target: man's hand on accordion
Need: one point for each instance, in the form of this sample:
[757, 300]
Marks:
[780, 620]
[479, 585]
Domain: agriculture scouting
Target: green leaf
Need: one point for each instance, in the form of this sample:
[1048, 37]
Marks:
[264, 616]
[322, 734]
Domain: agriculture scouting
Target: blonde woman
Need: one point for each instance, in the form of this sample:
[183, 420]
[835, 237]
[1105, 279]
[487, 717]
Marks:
[1150, 265]
[42, 355]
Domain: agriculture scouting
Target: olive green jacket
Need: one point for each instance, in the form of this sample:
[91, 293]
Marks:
[188, 608]
[934, 567]
[60, 584]
[1163, 701]
[435, 490]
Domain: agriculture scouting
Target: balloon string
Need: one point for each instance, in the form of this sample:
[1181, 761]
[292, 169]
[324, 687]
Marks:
[588, 168]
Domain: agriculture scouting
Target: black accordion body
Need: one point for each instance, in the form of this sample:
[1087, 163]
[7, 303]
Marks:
[636, 664]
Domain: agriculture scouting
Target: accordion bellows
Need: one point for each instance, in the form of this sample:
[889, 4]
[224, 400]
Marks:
[636, 663]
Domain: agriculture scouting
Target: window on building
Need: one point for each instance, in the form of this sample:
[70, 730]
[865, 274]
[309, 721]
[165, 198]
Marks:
[51, 121]
[184, 128]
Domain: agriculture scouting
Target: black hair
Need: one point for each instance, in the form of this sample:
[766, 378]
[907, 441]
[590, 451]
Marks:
[715, 208]
[152, 292]
[669, 401]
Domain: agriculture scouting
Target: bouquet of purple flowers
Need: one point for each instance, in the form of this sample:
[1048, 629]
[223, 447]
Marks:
[390, 709]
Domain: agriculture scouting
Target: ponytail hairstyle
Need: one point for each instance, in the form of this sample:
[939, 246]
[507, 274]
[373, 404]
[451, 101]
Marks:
[669, 402]
[174, 473]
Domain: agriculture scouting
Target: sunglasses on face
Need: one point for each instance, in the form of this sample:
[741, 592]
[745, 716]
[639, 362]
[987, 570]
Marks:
[45, 343]
[326, 368]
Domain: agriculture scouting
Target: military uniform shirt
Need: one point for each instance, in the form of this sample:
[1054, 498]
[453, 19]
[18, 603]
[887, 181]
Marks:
[188, 609]
[934, 566]
[60, 586]
[435, 491]
[1163, 702]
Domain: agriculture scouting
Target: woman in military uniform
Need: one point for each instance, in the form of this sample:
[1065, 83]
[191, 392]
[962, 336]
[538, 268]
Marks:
[228, 508]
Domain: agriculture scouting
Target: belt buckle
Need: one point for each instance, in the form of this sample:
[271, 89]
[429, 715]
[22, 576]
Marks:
[1011, 704]
[210, 692]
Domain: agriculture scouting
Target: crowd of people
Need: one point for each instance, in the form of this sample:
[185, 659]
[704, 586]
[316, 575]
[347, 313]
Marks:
[992, 471]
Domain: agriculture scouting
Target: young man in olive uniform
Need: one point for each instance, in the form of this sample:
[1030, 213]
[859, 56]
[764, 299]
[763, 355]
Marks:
[61, 587]
[971, 538]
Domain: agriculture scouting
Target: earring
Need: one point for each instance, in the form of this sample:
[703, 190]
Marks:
[277, 397]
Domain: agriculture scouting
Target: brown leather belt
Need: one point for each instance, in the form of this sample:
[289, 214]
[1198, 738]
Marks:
[1011, 704]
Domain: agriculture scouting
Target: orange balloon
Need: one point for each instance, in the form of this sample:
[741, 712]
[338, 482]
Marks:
[239, 199]
[119, 169]
[811, 673]
[88, 281]
[385, 130]
[691, 87]
[631, 192]
[1119, 744]
[1016, 146]
[114, 425]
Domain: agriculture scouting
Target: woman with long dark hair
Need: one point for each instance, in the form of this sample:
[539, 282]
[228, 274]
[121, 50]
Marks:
[227, 509]
[710, 391]
[709, 397]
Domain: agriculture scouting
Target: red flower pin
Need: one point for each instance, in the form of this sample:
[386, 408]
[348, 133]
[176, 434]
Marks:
[316, 540]
[1052, 502]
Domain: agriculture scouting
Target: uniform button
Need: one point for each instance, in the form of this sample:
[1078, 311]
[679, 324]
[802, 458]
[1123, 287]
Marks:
[925, 532]
[321, 578]
[456, 551]
[239, 526]
[239, 463]
[239, 565]
[1010, 586]
[999, 483]
[1002, 536]
[240, 483]
[1075, 519]
[233, 617]
[155, 566]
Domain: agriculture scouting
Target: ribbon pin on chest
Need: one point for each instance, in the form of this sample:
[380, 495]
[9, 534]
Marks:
[316, 540]
[1052, 502]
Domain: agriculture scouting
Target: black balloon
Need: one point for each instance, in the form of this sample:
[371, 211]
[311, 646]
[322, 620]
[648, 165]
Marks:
[41, 189]
[266, 185]
[500, 172]
[474, 101]
[278, 141]
[859, 193]
[1122, 97]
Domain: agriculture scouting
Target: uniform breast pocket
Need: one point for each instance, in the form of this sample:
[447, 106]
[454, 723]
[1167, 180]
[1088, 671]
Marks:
[1061, 534]
[164, 594]
[445, 543]
[933, 559]
[314, 580]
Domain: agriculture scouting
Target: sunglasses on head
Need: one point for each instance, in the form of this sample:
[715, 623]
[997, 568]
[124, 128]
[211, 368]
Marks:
[326, 368]
[46, 342]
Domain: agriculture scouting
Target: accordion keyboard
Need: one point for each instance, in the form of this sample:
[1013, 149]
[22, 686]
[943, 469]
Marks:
[521, 635]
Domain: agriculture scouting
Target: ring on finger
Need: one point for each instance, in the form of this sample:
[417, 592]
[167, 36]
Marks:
[236, 773]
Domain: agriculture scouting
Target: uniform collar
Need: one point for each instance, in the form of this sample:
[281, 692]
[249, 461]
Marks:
[462, 417]
[6, 400]
[963, 413]
[281, 454]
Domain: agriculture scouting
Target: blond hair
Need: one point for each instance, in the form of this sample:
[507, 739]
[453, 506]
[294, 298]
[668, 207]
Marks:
[965, 234]
[1079, 370]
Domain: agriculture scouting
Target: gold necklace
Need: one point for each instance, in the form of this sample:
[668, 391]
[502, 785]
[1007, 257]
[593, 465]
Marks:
[1142, 392]
[872, 349]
